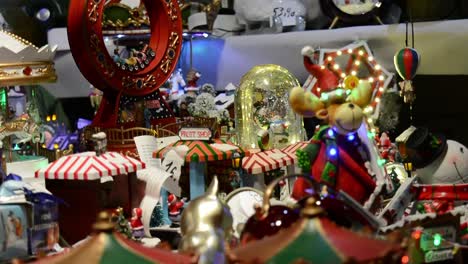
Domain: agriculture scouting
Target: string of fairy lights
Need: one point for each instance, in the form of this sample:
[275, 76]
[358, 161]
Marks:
[359, 65]
[437, 240]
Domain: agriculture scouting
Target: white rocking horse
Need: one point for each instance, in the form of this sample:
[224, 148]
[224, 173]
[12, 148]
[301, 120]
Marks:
[177, 85]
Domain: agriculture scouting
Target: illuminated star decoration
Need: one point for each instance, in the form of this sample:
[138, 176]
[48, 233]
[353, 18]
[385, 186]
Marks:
[355, 59]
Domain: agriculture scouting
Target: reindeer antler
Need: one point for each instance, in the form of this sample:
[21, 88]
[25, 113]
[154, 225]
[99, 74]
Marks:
[362, 94]
[305, 103]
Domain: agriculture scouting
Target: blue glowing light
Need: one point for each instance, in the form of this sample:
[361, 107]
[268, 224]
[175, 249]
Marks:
[351, 137]
[330, 132]
[332, 151]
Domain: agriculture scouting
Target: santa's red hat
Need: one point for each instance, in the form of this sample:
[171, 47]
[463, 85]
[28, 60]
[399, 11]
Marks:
[326, 80]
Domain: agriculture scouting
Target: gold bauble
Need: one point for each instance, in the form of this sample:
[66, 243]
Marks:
[261, 100]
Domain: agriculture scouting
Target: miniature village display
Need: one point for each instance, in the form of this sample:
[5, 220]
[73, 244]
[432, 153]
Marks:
[227, 176]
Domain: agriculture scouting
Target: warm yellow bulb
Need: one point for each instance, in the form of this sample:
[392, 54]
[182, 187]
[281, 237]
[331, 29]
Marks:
[357, 63]
[343, 75]
[370, 58]
[371, 79]
[322, 67]
[339, 53]
[329, 58]
[378, 67]
[381, 89]
[56, 146]
[48, 118]
[353, 73]
[377, 99]
[54, 117]
[361, 52]
[318, 89]
[381, 78]
[369, 120]
[350, 51]
[336, 66]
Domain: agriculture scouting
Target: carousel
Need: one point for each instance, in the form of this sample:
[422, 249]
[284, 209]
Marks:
[22, 65]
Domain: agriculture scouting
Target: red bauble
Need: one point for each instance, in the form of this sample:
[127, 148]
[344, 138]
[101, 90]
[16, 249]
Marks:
[27, 71]
[279, 217]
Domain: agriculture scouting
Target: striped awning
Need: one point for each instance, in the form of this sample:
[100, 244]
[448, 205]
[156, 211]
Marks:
[88, 166]
[291, 149]
[266, 161]
[202, 151]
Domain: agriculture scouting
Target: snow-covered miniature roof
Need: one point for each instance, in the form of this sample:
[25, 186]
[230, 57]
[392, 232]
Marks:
[22, 63]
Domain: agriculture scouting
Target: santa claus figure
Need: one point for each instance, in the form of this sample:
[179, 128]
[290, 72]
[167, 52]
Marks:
[175, 206]
[136, 224]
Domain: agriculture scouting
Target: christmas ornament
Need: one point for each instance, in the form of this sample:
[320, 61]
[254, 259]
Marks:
[205, 225]
[261, 102]
[435, 159]
[406, 63]
[85, 32]
[106, 246]
[339, 65]
[315, 239]
[136, 224]
[122, 225]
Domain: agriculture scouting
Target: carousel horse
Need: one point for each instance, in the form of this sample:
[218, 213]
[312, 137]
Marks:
[177, 85]
[24, 130]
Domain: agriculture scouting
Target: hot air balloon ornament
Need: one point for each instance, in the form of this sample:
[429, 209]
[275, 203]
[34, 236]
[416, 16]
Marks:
[406, 63]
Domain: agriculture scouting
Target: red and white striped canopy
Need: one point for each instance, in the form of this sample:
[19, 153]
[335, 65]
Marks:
[88, 166]
[291, 149]
[267, 161]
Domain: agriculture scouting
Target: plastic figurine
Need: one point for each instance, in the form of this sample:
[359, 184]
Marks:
[136, 224]
[175, 207]
[192, 78]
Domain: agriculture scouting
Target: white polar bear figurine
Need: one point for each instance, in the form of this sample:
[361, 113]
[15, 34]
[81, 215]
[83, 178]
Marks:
[254, 11]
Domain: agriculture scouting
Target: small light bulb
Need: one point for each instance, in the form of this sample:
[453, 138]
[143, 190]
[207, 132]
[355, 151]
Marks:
[330, 132]
[343, 75]
[322, 67]
[351, 137]
[373, 132]
[318, 89]
[329, 58]
[357, 63]
[339, 53]
[377, 100]
[378, 67]
[370, 58]
[350, 50]
[381, 77]
[369, 120]
[353, 73]
[381, 89]
[332, 152]
[336, 66]
[361, 52]
[371, 79]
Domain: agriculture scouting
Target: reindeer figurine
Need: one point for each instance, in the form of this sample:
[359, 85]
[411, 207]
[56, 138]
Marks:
[205, 225]
[335, 156]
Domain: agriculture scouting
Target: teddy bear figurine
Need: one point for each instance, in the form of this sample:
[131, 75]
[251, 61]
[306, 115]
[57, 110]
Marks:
[336, 156]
